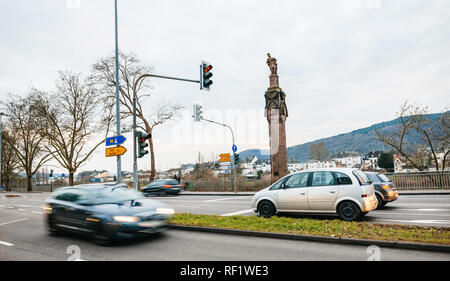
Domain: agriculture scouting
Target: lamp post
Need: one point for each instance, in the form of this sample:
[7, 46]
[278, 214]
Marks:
[1, 129]
[119, 161]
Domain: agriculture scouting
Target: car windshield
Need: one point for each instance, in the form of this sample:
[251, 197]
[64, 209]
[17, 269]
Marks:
[115, 195]
[363, 179]
[383, 178]
[373, 177]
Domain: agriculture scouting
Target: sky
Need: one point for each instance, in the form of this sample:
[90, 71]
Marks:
[343, 64]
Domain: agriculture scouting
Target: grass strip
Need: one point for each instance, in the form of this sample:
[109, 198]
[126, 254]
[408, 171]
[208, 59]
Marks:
[320, 227]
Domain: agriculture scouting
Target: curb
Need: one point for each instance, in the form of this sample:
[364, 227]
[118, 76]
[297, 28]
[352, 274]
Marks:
[353, 241]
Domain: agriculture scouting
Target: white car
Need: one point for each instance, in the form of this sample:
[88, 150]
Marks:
[345, 191]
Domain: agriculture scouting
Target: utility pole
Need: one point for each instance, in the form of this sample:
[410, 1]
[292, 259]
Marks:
[119, 160]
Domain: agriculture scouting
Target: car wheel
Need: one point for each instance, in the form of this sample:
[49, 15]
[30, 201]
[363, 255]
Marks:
[52, 229]
[266, 209]
[381, 203]
[348, 211]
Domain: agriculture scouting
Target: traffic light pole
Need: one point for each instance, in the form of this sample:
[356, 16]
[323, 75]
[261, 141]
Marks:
[232, 136]
[135, 175]
[119, 160]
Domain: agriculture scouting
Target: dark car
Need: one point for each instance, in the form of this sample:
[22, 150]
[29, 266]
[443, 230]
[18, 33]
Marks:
[162, 187]
[105, 212]
[384, 188]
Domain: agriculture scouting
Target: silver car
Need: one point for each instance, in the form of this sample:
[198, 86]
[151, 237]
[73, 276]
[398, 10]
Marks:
[345, 191]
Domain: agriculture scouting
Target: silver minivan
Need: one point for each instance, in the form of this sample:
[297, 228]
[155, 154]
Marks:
[345, 191]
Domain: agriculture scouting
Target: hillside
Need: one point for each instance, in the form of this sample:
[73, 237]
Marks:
[361, 140]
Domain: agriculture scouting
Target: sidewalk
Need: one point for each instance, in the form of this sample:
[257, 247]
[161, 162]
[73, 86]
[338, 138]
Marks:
[251, 193]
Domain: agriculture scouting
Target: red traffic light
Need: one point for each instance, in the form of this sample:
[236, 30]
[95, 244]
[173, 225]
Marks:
[208, 68]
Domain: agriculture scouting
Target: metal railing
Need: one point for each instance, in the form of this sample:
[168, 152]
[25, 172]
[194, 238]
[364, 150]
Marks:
[421, 180]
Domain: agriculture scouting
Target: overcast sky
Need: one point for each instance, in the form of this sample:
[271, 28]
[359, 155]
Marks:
[343, 65]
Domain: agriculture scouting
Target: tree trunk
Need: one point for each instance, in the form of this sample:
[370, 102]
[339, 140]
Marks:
[6, 181]
[71, 173]
[29, 184]
[152, 159]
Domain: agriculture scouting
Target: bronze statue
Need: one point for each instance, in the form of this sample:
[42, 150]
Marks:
[272, 63]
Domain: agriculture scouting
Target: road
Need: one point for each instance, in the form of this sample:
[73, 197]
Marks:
[23, 237]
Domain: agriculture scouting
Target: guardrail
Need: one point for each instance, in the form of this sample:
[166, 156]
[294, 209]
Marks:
[420, 180]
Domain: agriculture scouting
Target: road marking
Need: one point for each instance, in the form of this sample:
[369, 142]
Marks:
[12, 221]
[238, 213]
[36, 212]
[422, 221]
[230, 198]
[6, 243]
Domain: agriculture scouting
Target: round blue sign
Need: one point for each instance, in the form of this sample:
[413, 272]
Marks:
[234, 148]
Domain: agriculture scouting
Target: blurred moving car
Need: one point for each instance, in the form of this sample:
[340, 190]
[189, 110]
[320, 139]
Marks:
[384, 188]
[345, 191]
[162, 187]
[105, 212]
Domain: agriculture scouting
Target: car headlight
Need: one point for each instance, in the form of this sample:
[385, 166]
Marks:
[165, 211]
[126, 218]
[386, 187]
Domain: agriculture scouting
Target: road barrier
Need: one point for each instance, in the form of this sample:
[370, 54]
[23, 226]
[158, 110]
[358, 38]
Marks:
[420, 180]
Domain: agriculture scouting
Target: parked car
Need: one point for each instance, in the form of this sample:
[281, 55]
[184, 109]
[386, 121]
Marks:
[105, 212]
[345, 191]
[162, 187]
[384, 188]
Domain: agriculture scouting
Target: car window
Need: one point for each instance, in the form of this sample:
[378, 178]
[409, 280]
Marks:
[297, 180]
[157, 182]
[343, 178]
[362, 178]
[322, 178]
[277, 185]
[72, 195]
[383, 178]
[372, 177]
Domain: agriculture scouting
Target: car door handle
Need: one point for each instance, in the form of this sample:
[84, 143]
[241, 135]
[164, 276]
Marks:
[302, 193]
[332, 191]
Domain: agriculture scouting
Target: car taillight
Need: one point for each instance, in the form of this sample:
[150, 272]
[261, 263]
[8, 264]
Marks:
[167, 186]
[364, 195]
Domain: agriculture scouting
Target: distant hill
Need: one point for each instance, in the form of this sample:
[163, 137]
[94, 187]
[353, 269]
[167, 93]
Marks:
[361, 140]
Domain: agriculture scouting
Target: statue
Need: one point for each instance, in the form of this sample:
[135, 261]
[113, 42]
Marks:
[272, 63]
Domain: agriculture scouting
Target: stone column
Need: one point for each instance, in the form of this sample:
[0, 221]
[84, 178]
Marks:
[276, 113]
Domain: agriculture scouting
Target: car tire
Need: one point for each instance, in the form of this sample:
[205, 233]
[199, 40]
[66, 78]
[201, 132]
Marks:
[381, 203]
[348, 211]
[266, 209]
[52, 229]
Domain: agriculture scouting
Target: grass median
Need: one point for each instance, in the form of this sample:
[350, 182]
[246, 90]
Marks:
[319, 227]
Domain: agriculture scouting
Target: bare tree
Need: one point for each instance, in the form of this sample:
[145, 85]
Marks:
[10, 161]
[27, 129]
[318, 151]
[433, 133]
[131, 69]
[73, 119]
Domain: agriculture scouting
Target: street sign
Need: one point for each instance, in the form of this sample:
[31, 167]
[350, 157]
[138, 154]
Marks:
[63, 175]
[225, 155]
[226, 163]
[234, 148]
[225, 159]
[226, 171]
[115, 140]
[115, 151]
[225, 167]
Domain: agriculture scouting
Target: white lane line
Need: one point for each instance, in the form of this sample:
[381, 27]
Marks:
[6, 243]
[230, 198]
[408, 214]
[36, 212]
[12, 221]
[421, 221]
[238, 213]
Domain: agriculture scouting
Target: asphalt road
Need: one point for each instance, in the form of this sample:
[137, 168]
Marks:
[431, 210]
[23, 237]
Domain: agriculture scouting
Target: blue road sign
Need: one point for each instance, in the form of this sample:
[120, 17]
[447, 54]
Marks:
[63, 175]
[234, 148]
[115, 140]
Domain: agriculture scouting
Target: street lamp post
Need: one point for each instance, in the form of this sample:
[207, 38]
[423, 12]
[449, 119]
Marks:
[119, 161]
[1, 129]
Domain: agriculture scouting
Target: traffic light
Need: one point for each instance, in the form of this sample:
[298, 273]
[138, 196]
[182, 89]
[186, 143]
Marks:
[198, 113]
[142, 144]
[205, 76]
[51, 174]
[236, 158]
